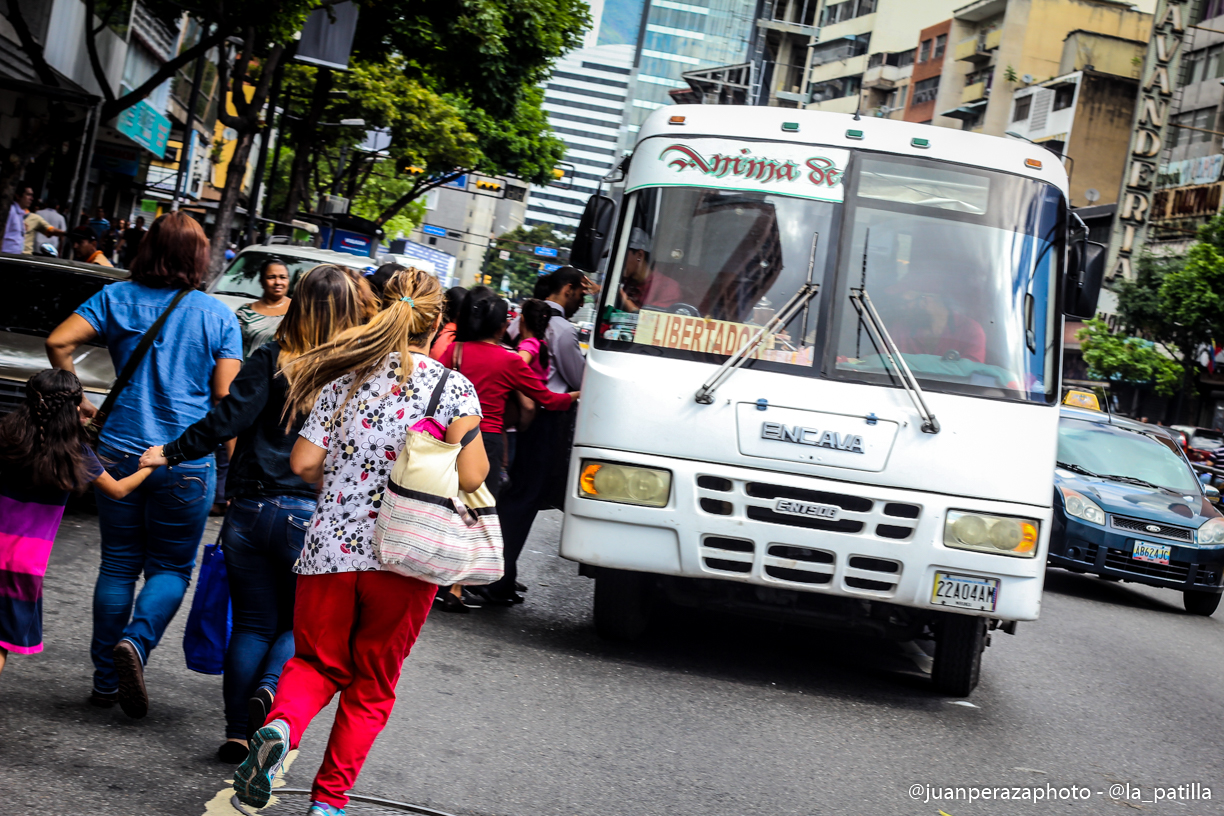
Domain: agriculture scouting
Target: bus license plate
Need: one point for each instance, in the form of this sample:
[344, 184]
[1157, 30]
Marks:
[1153, 553]
[965, 592]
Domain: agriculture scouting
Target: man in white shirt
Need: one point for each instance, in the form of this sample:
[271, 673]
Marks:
[51, 214]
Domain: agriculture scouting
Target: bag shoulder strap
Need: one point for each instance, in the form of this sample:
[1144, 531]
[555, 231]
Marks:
[133, 363]
[436, 396]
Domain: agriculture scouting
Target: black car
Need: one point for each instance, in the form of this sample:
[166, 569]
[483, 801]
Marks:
[1129, 507]
[39, 294]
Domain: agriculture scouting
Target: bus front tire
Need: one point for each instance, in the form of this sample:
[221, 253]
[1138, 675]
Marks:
[959, 644]
[622, 604]
[1200, 603]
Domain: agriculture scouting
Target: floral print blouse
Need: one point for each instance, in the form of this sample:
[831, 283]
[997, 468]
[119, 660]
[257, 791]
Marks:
[362, 447]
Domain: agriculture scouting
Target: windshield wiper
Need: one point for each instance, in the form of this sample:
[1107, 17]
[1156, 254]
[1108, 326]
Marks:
[1083, 471]
[1115, 477]
[883, 341]
[800, 300]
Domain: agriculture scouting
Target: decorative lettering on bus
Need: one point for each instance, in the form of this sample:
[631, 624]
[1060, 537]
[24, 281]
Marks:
[820, 169]
[851, 443]
[723, 337]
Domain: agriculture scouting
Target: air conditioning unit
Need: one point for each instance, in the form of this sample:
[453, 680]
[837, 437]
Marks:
[335, 205]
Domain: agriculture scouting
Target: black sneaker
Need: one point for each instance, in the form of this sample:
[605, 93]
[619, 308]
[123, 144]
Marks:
[133, 696]
[232, 752]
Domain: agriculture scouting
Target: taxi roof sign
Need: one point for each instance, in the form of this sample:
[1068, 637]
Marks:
[1082, 399]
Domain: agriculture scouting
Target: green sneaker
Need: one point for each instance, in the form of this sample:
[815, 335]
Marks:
[253, 779]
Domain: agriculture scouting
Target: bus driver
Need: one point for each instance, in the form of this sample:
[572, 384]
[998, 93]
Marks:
[643, 286]
[929, 323]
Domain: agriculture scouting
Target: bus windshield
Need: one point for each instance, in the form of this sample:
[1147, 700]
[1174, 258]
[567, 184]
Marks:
[961, 265]
[702, 270]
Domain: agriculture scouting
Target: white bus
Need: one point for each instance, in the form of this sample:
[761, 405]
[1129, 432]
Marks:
[823, 381]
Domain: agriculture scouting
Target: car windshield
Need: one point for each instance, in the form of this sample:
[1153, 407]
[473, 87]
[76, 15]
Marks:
[1119, 453]
[1207, 440]
[961, 265]
[241, 279]
[701, 270]
[36, 300]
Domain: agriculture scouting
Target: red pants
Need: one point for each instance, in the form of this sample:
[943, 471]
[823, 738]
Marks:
[352, 632]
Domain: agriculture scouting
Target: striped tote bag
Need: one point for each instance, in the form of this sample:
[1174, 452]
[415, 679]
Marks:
[427, 527]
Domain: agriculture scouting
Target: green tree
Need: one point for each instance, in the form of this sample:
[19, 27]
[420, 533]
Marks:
[522, 267]
[1113, 356]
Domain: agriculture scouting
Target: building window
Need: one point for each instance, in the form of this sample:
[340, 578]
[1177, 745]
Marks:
[835, 88]
[925, 91]
[841, 48]
[1204, 119]
[875, 60]
[941, 43]
[1023, 105]
[1064, 96]
[901, 96]
[905, 58]
[924, 51]
[839, 12]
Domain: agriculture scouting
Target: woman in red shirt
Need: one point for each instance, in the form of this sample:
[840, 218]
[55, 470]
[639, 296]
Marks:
[496, 372]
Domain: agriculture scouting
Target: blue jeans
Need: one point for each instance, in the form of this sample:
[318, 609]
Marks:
[261, 539]
[156, 531]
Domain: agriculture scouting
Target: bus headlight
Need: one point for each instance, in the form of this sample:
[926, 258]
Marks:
[626, 484]
[1212, 532]
[1002, 535]
[1082, 507]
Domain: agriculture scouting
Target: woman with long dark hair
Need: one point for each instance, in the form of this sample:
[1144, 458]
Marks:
[155, 530]
[270, 507]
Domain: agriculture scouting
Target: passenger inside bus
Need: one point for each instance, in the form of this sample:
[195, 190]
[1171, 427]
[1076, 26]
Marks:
[930, 321]
[643, 286]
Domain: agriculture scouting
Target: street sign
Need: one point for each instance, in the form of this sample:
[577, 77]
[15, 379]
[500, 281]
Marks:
[504, 255]
[429, 229]
[546, 252]
[146, 126]
[551, 267]
[458, 182]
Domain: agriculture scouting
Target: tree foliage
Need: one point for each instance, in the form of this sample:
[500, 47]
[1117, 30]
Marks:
[522, 267]
[1113, 356]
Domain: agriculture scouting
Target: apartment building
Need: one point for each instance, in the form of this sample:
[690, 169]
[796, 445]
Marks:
[866, 53]
[1002, 46]
[916, 98]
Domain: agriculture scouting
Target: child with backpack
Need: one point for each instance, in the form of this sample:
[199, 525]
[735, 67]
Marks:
[43, 459]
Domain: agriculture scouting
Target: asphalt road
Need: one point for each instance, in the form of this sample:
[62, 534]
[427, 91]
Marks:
[524, 711]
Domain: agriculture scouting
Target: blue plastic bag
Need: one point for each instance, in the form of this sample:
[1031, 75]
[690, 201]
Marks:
[211, 617]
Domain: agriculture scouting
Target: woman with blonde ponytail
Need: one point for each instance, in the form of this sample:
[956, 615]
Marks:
[355, 624]
[270, 506]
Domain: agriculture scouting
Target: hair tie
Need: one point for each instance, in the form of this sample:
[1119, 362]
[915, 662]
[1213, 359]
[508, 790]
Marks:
[409, 301]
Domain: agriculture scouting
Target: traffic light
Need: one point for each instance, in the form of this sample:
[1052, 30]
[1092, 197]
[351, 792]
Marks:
[558, 174]
[405, 167]
[489, 185]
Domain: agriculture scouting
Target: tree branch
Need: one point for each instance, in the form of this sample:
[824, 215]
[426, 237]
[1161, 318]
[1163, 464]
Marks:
[46, 74]
[241, 106]
[113, 107]
[95, 62]
[418, 189]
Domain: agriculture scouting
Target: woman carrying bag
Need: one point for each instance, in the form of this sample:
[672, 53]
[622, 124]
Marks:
[187, 348]
[355, 623]
[271, 506]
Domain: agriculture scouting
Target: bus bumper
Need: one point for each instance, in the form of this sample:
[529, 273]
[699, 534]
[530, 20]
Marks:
[721, 523]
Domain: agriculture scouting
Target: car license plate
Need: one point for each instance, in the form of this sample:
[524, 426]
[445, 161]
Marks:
[965, 592]
[1153, 553]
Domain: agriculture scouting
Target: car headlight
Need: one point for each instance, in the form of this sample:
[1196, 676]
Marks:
[1002, 535]
[1082, 507]
[1210, 533]
[626, 484]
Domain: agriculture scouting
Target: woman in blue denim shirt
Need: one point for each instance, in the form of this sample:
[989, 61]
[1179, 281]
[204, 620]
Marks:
[269, 506]
[156, 529]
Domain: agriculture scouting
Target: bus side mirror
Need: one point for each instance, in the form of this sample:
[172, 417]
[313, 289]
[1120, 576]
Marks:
[592, 234]
[1086, 270]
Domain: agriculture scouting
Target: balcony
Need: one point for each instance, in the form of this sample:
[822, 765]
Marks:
[973, 93]
[979, 48]
[882, 77]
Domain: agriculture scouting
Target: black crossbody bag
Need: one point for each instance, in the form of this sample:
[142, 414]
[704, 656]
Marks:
[94, 428]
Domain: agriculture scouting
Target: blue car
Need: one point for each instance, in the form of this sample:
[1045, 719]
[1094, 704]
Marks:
[1128, 507]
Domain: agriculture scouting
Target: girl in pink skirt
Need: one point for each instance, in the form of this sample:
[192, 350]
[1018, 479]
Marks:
[43, 458]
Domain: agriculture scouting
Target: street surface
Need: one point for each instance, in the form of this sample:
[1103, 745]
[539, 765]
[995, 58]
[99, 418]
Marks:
[525, 712]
